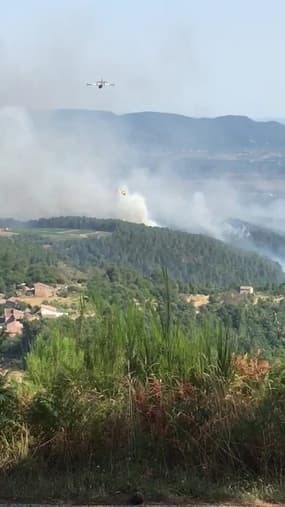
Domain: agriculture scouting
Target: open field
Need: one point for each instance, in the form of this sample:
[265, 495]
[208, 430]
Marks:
[59, 234]
[58, 301]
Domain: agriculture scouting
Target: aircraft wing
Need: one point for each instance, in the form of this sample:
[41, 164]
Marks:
[91, 84]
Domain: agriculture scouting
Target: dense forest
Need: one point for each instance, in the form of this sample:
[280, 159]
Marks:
[22, 260]
[191, 258]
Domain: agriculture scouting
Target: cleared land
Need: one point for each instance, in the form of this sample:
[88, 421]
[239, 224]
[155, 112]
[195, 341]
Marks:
[7, 234]
[60, 234]
[197, 300]
[70, 300]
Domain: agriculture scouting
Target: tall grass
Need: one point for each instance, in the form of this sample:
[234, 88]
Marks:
[131, 386]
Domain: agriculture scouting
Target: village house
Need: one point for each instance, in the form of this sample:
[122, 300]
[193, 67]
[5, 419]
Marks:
[22, 289]
[11, 319]
[42, 290]
[246, 290]
[11, 314]
[50, 312]
[29, 317]
[12, 302]
[14, 328]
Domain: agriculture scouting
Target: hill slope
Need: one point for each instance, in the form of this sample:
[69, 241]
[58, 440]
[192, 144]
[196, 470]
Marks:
[258, 238]
[193, 258]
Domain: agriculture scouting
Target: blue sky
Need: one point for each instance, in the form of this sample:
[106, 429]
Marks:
[195, 57]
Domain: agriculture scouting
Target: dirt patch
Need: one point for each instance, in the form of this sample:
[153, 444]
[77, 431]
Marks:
[197, 300]
[33, 300]
[70, 300]
[7, 234]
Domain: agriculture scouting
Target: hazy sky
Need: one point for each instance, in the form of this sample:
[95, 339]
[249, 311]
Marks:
[197, 57]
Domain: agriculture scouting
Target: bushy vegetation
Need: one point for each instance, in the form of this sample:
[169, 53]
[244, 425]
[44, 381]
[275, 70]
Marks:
[258, 324]
[128, 389]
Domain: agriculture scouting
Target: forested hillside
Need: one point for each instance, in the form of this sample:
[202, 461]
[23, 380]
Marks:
[192, 258]
[34, 253]
[21, 259]
[258, 238]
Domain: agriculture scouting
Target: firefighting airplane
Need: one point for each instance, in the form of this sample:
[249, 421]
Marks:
[101, 83]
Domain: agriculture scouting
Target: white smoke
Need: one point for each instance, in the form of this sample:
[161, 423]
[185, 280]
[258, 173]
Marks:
[132, 207]
[52, 176]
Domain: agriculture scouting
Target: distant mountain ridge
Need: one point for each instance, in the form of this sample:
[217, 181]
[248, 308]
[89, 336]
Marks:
[167, 131]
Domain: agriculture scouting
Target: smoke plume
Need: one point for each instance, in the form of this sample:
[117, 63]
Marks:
[52, 175]
[65, 168]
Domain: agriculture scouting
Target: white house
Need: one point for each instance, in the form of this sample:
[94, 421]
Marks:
[246, 289]
[50, 312]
